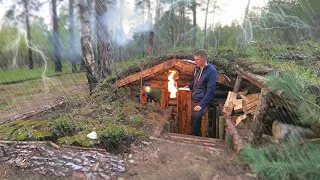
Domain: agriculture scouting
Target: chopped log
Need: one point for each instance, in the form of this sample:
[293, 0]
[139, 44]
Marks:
[243, 93]
[251, 97]
[288, 131]
[228, 106]
[237, 85]
[222, 127]
[240, 119]
[184, 111]
[249, 103]
[237, 105]
[257, 124]
[204, 125]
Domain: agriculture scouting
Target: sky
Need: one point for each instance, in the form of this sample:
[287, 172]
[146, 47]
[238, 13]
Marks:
[230, 10]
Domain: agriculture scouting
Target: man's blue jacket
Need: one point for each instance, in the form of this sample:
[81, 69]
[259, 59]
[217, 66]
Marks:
[203, 85]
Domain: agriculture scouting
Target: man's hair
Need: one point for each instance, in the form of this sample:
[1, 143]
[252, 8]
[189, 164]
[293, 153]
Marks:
[201, 52]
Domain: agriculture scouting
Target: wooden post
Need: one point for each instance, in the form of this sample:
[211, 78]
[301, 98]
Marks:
[218, 113]
[184, 111]
[204, 125]
[222, 127]
[164, 101]
[143, 96]
[257, 126]
[229, 140]
[237, 85]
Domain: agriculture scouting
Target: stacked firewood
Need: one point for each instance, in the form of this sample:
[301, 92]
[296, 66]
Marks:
[243, 105]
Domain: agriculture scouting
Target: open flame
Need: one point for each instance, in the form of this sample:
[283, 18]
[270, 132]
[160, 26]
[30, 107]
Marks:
[171, 84]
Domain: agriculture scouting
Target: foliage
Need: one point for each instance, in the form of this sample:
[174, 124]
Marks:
[62, 127]
[297, 90]
[288, 161]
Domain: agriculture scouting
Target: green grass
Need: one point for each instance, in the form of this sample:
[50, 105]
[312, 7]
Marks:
[21, 75]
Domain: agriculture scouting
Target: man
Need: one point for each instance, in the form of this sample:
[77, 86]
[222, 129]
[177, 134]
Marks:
[203, 88]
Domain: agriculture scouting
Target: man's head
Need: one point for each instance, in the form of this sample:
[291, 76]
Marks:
[201, 58]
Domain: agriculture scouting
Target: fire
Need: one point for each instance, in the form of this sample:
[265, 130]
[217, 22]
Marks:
[171, 84]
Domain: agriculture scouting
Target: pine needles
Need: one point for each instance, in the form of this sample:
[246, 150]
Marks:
[289, 161]
[296, 90]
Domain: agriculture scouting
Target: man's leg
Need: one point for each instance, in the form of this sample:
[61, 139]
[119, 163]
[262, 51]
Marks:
[196, 118]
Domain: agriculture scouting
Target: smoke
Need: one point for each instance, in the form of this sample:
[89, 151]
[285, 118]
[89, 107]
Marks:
[123, 21]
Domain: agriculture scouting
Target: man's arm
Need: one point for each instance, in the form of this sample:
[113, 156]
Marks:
[211, 86]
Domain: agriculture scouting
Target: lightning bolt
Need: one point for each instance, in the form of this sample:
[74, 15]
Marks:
[22, 32]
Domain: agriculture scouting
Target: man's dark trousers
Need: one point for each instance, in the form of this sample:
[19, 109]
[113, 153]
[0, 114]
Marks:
[196, 118]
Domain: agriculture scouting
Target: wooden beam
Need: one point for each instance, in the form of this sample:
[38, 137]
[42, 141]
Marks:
[204, 125]
[237, 85]
[158, 84]
[252, 78]
[237, 141]
[143, 97]
[148, 73]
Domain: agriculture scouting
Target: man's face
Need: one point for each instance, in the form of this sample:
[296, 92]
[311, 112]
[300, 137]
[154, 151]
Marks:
[200, 61]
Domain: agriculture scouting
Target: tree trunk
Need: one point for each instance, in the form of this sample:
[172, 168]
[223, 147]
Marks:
[194, 13]
[104, 48]
[86, 44]
[205, 45]
[156, 28]
[150, 45]
[26, 3]
[72, 38]
[172, 24]
[56, 40]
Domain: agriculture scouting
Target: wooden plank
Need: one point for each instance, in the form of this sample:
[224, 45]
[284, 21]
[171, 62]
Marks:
[251, 97]
[184, 111]
[148, 73]
[204, 125]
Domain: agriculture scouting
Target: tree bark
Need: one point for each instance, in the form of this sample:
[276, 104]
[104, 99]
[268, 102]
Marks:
[86, 44]
[56, 40]
[194, 13]
[104, 47]
[205, 45]
[26, 3]
[72, 38]
[257, 126]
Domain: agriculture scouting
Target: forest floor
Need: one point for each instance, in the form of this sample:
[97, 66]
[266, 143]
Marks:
[144, 158]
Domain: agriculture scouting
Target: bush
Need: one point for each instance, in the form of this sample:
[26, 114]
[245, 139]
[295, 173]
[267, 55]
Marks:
[62, 127]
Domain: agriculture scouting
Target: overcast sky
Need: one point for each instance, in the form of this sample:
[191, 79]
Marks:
[230, 10]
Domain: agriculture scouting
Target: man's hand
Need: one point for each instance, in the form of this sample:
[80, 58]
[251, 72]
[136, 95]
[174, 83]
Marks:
[197, 108]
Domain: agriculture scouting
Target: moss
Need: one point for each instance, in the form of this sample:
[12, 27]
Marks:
[40, 135]
[79, 139]
[141, 133]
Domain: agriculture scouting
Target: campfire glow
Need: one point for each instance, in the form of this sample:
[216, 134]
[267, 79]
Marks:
[171, 84]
